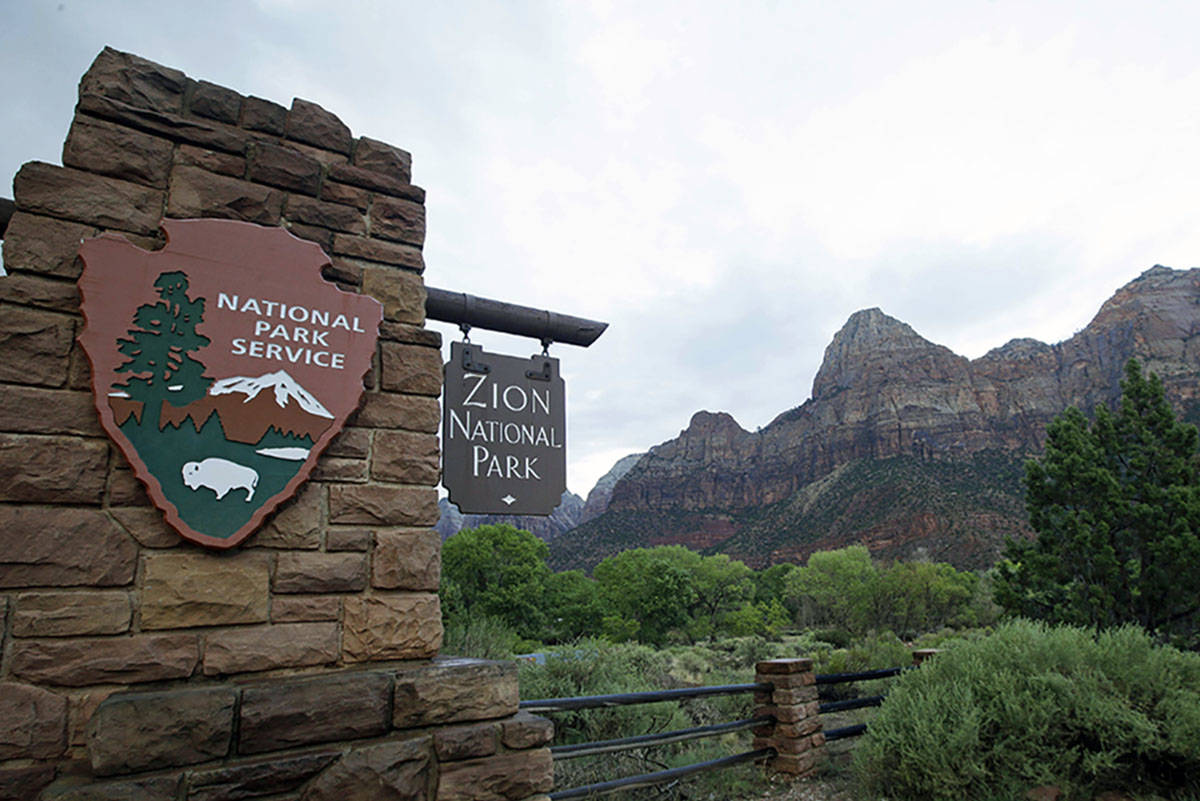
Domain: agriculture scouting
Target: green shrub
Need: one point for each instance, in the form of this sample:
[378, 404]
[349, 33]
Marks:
[1033, 705]
[480, 637]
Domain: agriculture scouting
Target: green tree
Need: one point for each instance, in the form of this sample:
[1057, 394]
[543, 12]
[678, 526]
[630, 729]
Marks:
[1116, 508]
[719, 586]
[159, 348]
[836, 588]
[573, 607]
[498, 571]
[648, 592]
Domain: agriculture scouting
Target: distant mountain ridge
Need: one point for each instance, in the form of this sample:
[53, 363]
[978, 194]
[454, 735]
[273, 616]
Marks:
[882, 394]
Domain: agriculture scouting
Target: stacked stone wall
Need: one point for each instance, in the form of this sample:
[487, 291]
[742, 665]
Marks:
[302, 664]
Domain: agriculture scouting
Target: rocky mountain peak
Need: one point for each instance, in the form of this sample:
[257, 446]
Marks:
[869, 341]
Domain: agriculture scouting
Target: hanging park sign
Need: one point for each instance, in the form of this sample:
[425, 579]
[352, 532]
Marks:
[222, 365]
[503, 432]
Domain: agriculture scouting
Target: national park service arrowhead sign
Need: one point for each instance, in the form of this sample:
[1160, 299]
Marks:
[222, 365]
[503, 432]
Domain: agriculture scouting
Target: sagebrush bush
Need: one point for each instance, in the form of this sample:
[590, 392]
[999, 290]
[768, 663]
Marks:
[479, 636]
[1034, 705]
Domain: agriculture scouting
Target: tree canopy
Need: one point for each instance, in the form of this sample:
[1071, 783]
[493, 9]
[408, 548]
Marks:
[1116, 507]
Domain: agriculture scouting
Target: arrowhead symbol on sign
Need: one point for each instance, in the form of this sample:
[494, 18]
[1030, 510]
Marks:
[509, 500]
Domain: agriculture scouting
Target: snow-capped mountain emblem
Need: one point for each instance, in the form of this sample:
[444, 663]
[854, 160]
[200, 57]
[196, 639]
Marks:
[284, 386]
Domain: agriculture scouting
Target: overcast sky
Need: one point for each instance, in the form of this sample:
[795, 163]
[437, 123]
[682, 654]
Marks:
[724, 183]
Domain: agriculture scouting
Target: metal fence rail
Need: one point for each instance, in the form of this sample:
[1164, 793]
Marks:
[647, 740]
[625, 699]
[865, 675]
[651, 779]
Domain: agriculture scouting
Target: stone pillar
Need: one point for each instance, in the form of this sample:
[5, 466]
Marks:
[796, 733]
[303, 663]
[921, 654]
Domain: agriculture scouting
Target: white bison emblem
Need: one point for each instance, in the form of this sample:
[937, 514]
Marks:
[220, 476]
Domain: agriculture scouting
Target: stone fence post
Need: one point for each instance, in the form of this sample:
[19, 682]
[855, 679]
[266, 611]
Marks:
[796, 733]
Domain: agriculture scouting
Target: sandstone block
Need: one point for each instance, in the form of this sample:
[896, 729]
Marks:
[382, 158]
[80, 708]
[507, 777]
[399, 221]
[409, 334]
[407, 560]
[391, 627]
[43, 546]
[215, 102]
[453, 690]
[790, 681]
[352, 471]
[46, 293]
[22, 784]
[309, 123]
[44, 245]
[396, 770]
[326, 215]
[35, 346]
[68, 614]
[793, 697]
[142, 731]
[783, 745]
[376, 182]
[36, 469]
[298, 522]
[410, 369]
[33, 722]
[346, 706]
[795, 764]
[527, 731]
[373, 504]
[326, 157]
[211, 160]
[284, 645]
[178, 128]
[118, 152]
[345, 194]
[406, 457]
[131, 79]
[31, 410]
[348, 539]
[123, 487]
[305, 608]
[87, 198]
[146, 525]
[320, 572]
[198, 193]
[283, 167]
[465, 742]
[401, 292]
[408, 412]
[379, 250]
[204, 589]
[268, 777]
[263, 115]
[106, 660]
[156, 788]
[323, 237]
[347, 271]
[351, 443]
[776, 666]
